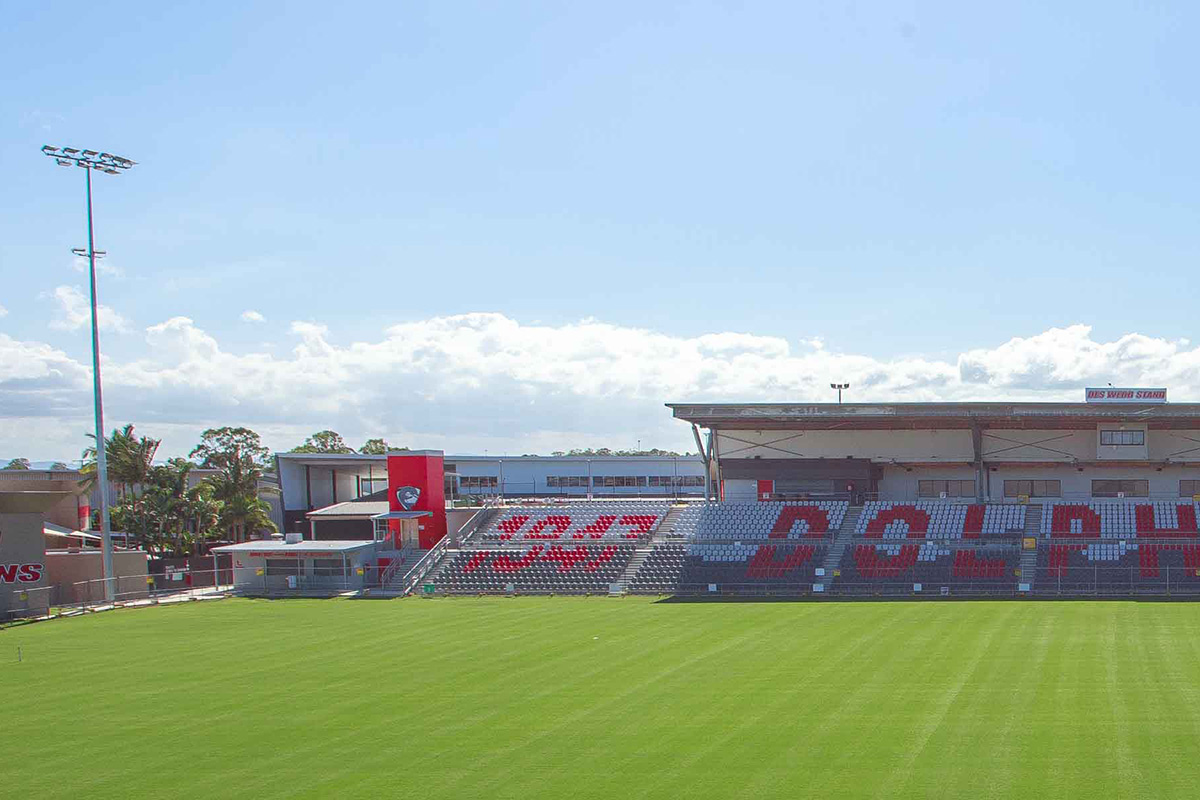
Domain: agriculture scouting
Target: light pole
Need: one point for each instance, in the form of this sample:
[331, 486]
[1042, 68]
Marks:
[113, 165]
[839, 387]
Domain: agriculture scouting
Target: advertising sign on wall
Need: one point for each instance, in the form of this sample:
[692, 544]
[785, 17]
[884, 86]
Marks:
[1125, 395]
[22, 559]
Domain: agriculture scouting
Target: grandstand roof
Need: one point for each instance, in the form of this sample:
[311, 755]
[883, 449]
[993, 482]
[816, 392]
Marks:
[304, 549]
[361, 509]
[910, 416]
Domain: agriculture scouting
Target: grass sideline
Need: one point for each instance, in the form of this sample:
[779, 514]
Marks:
[604, 698]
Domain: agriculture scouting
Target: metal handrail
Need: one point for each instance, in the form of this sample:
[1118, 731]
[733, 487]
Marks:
[422, 567]
[390, 572]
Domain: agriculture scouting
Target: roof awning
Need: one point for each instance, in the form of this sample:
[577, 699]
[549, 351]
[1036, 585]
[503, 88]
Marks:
[303, 549]
[403, 515]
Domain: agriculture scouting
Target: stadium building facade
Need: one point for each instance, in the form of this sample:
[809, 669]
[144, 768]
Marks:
[905, 499]
[981, 451]
[315, 482]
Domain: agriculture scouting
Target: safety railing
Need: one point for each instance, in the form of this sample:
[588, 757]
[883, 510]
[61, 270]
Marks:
[534, 491]
[62, 599]
[903, 495]
[424, 566]
[1118, 581]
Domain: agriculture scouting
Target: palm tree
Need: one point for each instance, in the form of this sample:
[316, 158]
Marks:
[237, 487]
[129, 460]
[202, 513]
[245, 514]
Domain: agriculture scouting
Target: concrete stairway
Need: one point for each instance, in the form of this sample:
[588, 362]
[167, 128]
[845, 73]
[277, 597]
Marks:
[841, 540]
[436, 572]
[639, 557]
[665, 528]
[1033, 527]
[396, 581]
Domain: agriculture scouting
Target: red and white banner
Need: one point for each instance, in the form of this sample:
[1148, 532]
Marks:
[1125, 395]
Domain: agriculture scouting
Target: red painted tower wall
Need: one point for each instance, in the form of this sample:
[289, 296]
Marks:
[426, 474]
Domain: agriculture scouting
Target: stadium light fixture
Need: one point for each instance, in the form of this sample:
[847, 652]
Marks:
[91, 160]
[839, 387]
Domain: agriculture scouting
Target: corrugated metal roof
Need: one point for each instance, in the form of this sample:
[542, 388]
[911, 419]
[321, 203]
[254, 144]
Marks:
[298, 549]
[849, 416]
[352, 508]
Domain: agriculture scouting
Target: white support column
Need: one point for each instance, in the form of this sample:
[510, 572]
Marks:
[714, 454]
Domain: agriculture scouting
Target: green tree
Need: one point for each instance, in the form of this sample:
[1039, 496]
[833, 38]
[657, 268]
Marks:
[168, 517]
[379, 447]
[243, 515]
[18, 463]
[241, 458]
[220, 448]
[324, 442]
[129, 459]
[59, 466]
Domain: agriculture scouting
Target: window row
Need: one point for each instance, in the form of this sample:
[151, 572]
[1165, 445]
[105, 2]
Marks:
[1033, 488]
[1053, 488]
[567, 481]
[1121, 488]
[368, 486]
[658, 481]
[478, 482]
[1123, 438]
[947, 488]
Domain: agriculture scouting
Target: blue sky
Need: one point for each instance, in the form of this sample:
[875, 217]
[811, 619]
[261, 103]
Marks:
[886, 191]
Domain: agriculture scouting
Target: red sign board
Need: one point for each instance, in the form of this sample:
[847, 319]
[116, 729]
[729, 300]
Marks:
[21, 573]
[1125, 395]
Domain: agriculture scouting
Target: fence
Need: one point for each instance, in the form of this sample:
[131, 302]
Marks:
[1118, 581]
[66, 598]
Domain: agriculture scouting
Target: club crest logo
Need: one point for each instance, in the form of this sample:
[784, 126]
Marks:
[408, 497]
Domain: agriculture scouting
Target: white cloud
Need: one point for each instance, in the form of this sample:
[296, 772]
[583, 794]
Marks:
[485, 381]
[251, 315]
[3, 311]
[77, 312]
[103, 267]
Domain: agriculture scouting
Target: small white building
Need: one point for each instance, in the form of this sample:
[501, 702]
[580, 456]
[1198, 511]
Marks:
[323, 567]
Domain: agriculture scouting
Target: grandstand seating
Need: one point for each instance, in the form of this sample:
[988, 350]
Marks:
[770, 520]
[875, 566]
[538, 568]
[938, 519]
[782, 566]
[660, 572]
[576, 522]
[685, 524]
[1119, 519]
[1137, 545]
[1119, 566]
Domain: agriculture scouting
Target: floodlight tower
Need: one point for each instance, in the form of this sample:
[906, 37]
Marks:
[839, 387]
[91, 160]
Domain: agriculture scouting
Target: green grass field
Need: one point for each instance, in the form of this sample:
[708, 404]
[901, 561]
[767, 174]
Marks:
[600, 698]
